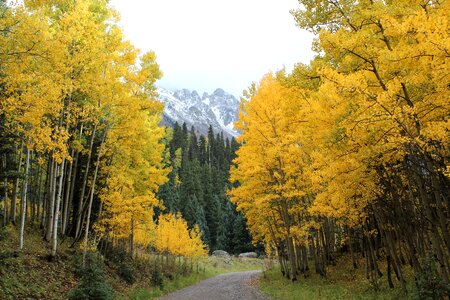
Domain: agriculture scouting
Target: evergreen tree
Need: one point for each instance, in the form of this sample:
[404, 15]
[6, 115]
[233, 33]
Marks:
[197, 187]
[169, 192]
[211, 147]
[193, 146]
[178, 140]
[203, 153]
[241, 241]
[213, 217]
[226, 227]
[93, 283]
[194, 214]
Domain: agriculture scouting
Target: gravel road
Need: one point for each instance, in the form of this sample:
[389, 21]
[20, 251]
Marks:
[230, 286]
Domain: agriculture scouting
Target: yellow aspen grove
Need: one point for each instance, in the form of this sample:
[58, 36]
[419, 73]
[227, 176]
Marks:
[134, 155]
[368, 140]
[272, 191]
[33, 100]
[32, 103]
[389, 65]
[90, 130]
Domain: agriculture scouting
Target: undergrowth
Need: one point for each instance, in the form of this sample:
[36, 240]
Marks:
[342, 282]
[30, 274]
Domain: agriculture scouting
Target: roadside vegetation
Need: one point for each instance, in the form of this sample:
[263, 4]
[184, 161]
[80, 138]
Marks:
[30, 273]
[348, 155]
[343, 282]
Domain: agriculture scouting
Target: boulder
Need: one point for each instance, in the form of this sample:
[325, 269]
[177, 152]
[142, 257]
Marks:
[220, 253]
[249, 255]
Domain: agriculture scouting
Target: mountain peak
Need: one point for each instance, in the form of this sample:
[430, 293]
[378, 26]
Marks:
[219, 110]
[195, 95]
[219, 92]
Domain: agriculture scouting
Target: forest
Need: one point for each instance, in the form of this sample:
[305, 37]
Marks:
[197, 187]
[84, 159]
[347, 156]
[83, 154]
[350, 153]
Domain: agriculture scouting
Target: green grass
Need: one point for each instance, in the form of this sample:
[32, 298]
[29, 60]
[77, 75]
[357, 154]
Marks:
[169, 286]
[209, 267]
[343, 282]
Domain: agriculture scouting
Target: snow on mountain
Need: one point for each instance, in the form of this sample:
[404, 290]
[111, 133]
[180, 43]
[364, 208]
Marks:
[220, 110]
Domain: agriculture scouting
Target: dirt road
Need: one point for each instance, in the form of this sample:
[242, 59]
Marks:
[230, 286]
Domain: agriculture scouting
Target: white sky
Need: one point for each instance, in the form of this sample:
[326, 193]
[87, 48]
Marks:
[206, 44]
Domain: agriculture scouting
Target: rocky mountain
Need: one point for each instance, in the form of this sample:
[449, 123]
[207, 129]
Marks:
[220, 109]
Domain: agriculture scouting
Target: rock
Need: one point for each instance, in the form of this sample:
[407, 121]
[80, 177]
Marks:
[195, 96]
[221, 253]
[249, 255]
[219, 92]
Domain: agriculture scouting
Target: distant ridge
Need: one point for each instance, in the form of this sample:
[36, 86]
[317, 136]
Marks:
[220, 110]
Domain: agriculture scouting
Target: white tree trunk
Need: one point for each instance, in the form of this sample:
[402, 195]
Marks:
[5, 183]
[91, 198]
[16, 188]
[83, 189]
[24, 200]
[51, 202]
[68, 186]
[57, 212]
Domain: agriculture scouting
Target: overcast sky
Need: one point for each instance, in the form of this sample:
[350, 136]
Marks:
[206, 44]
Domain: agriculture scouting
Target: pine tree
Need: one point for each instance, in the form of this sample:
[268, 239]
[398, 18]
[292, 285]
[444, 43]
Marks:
[198, 182]
[241, 239]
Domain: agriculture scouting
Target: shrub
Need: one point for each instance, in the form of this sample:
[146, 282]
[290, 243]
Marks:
[126, 271]
[122, 260]
[92, 283]
[114, 254]
[157, 277]
[430, 286]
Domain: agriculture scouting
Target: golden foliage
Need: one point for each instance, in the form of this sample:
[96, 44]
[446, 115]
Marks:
[317, 141]
[69, 77]
[173, 236]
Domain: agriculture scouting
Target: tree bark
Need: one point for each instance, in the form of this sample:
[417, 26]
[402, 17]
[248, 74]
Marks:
[51, 201]
[5, 183]
[81, 200]
[57, 212]
[38, 196]
[24, 201]
[91, 198]
[16, 187]
[71, 186]
[68, 187]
